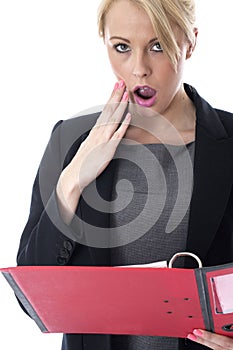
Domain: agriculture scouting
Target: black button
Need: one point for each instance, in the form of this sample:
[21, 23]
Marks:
[68, 245]
[64, 253]
[61, 261]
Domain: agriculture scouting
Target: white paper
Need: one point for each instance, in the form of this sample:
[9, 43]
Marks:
[224, 290]
[154, 264]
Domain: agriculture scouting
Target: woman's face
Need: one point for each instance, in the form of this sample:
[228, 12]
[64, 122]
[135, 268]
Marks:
[137, 58]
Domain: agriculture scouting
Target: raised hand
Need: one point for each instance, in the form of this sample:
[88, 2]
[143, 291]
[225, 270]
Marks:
[95, 152]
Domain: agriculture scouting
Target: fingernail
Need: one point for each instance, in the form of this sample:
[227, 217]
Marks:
[121, 83]
[116, 86]
[125, 96]
[192, 337]
[198, 332]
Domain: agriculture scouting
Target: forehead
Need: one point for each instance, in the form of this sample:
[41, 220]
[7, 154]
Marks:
[124, 17]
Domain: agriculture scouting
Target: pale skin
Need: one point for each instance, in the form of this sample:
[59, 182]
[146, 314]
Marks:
[94, 154]
[142, 62]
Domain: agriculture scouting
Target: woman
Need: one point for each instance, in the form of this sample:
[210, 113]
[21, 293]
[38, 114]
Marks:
[148, 42]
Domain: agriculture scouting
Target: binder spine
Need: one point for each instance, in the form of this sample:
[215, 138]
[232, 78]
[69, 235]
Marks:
[204, 300]
[25, 302]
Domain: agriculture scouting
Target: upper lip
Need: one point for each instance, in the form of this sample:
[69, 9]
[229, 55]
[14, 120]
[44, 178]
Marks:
[143, 87]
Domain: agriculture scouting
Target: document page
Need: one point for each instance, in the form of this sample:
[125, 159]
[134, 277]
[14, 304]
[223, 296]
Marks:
[224, 291]
[153, 264]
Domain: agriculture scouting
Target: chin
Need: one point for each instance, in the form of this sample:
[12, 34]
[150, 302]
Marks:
[142, 111]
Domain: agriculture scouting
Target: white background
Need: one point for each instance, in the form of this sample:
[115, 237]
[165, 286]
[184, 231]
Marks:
[52, 66]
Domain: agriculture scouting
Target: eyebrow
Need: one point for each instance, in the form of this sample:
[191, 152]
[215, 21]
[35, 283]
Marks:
[128, 41]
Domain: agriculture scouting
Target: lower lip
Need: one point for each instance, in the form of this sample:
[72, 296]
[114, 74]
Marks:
[145, 103]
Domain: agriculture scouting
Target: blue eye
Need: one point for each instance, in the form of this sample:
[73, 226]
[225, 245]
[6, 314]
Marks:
[157, 47]
[121, 48]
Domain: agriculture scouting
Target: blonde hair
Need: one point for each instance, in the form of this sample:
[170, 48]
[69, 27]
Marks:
[162, 14]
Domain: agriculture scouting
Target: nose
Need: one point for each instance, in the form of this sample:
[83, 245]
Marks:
[141, 66]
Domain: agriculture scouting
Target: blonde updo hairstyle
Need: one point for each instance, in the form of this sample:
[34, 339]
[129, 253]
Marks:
[161, 13]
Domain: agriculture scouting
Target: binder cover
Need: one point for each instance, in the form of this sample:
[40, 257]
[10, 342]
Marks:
[126, 300]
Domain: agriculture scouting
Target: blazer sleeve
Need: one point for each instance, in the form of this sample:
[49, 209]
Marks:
[46, 239]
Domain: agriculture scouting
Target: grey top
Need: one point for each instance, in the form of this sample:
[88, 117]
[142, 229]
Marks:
[150, 214]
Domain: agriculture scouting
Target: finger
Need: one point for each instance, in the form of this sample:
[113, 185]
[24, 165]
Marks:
[112, 124]
[221, 340]
[119, 112]
[117, 93]
[107, 126]
[113, 102]
[212, 340]
[120, 132]
[204, 342]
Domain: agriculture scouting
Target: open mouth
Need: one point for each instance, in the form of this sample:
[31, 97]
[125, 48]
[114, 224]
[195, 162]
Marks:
[145, 96]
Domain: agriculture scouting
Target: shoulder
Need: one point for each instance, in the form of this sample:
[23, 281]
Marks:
[226, 119]
[224, 115]
[76, 128]
[219, 123]
[79, 124]
[70, 133]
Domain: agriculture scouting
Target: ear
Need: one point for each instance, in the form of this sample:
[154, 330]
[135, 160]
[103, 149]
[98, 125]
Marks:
[191, 46]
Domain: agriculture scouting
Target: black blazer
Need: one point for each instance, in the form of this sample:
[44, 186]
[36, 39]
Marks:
[46, 240]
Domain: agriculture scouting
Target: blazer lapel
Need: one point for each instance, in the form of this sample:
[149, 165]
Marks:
[212, 176]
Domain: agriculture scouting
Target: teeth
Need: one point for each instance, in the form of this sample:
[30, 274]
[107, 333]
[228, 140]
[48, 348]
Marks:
[146, 91]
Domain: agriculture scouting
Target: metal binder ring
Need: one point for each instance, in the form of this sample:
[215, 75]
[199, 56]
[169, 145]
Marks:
[177, 255]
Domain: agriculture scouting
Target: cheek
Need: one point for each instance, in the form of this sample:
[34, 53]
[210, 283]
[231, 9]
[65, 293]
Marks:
[119, 67]
[116, 67]
[168, 77]
[166, 70]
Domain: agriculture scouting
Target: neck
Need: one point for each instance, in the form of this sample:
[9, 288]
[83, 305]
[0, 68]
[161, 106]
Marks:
[177, 124]
[181, 113]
